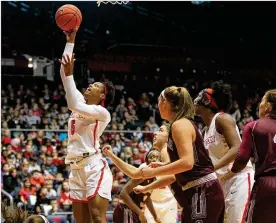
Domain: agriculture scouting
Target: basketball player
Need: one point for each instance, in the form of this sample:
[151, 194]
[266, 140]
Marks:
[130, 210]
[259, 139]
[222, 140]
[90, 180]
[163, 202]
[162, 198]
[203, 197]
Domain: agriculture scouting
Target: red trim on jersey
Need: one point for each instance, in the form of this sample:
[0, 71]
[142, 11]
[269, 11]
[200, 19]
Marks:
[102, 104]
[76, 200]
[94, 135]
[99, 183]
[248, 199]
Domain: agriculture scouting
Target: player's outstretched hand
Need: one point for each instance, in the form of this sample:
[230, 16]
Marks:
[71, 35]
[107, 150]
[68, 64]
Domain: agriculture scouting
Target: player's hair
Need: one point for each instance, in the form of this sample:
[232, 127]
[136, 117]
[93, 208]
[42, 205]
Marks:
[271, 98]
[168, 127]
[222, 95]
[110, 93]
[13, 214]
[181, 102]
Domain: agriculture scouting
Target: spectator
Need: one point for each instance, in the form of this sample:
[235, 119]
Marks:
[31, 119]
[26, 191]
[237, 113]
[37, 180]
[65, 201]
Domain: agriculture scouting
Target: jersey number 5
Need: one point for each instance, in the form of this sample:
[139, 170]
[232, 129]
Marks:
[73, 122]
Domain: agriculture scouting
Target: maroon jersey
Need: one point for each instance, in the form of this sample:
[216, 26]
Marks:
[259, 141]
[177, 193]
[140, 199]
[202, 163]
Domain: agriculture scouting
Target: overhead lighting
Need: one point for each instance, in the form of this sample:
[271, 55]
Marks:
[157, 69]
[30, 59]
[30, 65]
[181, 70]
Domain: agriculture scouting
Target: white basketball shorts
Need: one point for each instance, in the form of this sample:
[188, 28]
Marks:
[91, 178]
[237, 193]
[166, 212]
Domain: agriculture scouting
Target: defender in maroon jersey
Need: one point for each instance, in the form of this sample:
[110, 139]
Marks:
[189, 161]
[130, 208]
[259, 141]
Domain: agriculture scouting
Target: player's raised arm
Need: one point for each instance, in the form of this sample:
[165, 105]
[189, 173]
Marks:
[68, 51]
[97, 112]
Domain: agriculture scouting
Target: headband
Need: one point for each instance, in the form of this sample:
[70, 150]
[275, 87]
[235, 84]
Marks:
[44, 218]
[163, 94]
[102, 104]
[206, 99]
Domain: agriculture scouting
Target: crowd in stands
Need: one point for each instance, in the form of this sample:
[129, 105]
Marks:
[33, 169]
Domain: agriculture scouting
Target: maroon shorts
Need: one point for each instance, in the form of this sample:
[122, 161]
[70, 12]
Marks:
[204, 204]
[262, 203]
[122, 214]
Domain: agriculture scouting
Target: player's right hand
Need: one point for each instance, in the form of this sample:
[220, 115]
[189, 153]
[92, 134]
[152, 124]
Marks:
[107, 150]
[156, 164]
[71, 35]
[139, 189]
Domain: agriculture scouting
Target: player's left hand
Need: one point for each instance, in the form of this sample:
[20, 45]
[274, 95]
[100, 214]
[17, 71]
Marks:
[147, 172]
[68, 64]
[71, 35]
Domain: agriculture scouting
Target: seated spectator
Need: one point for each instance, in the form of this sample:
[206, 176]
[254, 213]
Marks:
[65, 201]
[26, 191]
[37, 179]
[58, 183]
[54, 207]
[11, 183]
[28, 152]
[49, 166]
[33, 165]
[51, 193]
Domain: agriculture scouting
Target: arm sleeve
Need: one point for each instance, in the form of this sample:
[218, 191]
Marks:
[89, 111]
[69, 47]
[245, 149]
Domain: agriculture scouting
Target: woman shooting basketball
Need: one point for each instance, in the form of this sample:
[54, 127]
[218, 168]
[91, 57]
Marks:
[90, 180]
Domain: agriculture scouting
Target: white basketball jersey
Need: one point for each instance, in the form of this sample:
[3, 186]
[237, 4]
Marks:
[83, 135]
[161, 195]
[217, 145]
[86, 123]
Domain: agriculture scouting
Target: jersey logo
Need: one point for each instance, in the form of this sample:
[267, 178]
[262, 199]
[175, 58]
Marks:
[209, 140]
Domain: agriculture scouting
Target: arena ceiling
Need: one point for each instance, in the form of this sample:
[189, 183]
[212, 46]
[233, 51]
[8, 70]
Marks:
[180, 27]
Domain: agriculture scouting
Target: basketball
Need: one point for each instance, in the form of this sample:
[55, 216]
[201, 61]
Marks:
[68, 17]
